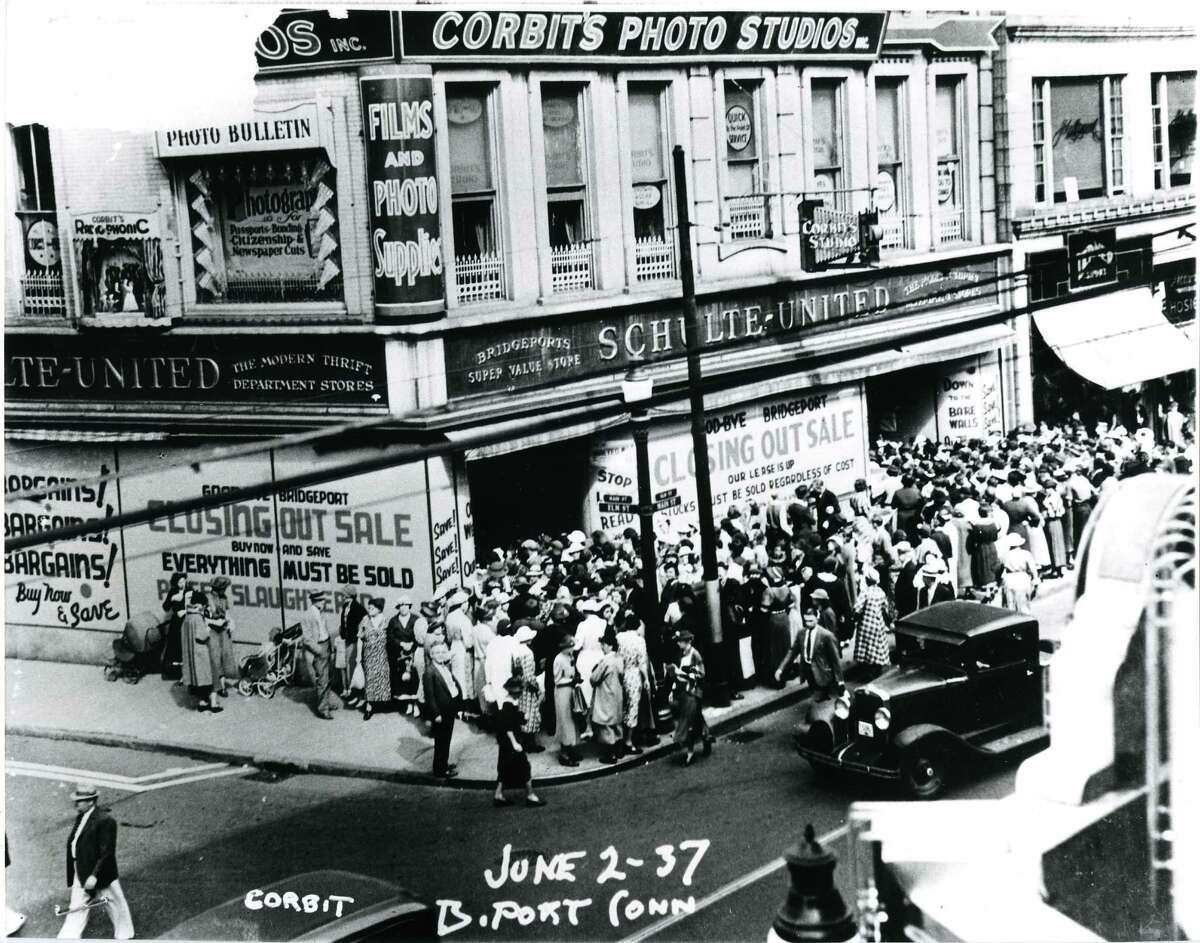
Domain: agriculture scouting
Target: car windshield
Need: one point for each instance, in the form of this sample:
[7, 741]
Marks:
[919, 647]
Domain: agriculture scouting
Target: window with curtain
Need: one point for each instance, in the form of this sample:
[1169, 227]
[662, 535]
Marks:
[1078, 137]
[649, 154]
[566, 176]
[1173, 103]
[35, 198]
[472, 169]
[948, 142]
[827, 136]
[891, 184]
[264, 228]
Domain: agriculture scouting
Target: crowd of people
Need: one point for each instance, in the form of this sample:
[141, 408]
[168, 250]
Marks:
[558, 636]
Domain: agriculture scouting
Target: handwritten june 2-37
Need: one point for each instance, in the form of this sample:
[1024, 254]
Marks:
[668, 863]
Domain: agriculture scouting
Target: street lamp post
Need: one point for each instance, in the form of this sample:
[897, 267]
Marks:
[636, 391]
[717, 670]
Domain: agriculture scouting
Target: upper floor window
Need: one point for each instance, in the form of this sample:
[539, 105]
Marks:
[949, 150]
[649, 162]
[478, 262]
[1173, 97]
[567, 211]
[829, 153]
[745, 176]
[42, 292]
[1078, 138]
[890, 196]
[264, 229]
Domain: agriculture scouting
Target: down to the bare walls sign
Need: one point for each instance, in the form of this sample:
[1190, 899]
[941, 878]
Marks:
[402, 196]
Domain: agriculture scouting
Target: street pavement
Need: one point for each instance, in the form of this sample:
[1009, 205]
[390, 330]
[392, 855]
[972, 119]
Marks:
[195, 844]
[198, 832]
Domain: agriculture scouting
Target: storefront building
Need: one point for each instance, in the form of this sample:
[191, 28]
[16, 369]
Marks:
[463, 224]
[1096, 134]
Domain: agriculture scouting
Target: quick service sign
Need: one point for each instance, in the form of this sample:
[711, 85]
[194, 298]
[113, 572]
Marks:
[495, 35]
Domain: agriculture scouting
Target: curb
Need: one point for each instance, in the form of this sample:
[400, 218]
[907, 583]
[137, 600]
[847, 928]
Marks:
[785, 698]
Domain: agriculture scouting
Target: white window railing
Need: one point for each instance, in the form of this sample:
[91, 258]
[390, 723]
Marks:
[654, 258]
[949, 226]
[570, 268]
[43, 295]
[897, 233]
[277, 289]
[479, 277]
[747, 216]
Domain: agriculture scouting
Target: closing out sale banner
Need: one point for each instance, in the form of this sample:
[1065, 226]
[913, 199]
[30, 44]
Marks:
[754, 450]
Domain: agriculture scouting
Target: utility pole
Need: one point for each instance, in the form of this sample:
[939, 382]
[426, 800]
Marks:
[717, 673]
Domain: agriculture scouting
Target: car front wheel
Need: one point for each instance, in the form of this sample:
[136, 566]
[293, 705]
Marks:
[925, 771]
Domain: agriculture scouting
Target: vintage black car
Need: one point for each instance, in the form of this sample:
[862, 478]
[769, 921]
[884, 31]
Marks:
[967, 683]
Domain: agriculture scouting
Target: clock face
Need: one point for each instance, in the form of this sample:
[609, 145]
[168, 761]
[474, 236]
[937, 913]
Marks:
[885, 192]
[463, 110]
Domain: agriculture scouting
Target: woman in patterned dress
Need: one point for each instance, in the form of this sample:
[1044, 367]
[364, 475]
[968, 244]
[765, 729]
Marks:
[631, 646]
[1053, 513]
[873, 613]
[373, 656]
[196, 664]
[530, 701]
[220, 640]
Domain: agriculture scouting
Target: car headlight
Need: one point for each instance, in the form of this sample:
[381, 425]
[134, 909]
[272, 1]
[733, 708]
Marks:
[841, 707]
[883, 718]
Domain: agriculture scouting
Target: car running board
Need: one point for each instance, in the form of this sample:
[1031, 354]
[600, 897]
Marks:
[1013, 741]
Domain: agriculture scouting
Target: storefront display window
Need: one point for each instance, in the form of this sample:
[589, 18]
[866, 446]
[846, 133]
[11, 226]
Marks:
[479, 265]
[1173, 98]
[1078, 137]
[41, 283]
[828, 144]
[264, 228]
[120, 264]
[649, 154]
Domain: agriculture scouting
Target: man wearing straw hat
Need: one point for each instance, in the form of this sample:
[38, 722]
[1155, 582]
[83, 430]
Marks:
[319, 646]
[92, 869]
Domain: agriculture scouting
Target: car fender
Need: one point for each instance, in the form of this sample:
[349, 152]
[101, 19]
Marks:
[910, 736]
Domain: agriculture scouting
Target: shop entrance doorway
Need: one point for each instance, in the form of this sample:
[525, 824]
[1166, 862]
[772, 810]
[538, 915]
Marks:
[530, 492]
[902, 405]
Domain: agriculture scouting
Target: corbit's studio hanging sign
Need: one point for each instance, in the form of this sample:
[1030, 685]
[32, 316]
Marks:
[490, 34]
[315, 370]
[402, 196]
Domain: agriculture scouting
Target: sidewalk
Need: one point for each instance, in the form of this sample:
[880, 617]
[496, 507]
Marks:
[74, 702]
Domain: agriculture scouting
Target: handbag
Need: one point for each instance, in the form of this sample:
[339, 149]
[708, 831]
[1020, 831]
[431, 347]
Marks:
[358, 679]
[579, 704]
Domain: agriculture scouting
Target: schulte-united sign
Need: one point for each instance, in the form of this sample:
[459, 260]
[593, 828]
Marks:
[500, 35]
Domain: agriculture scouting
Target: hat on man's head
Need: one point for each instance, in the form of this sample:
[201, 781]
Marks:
[525, 634]
[933, 566]
[457, 598]
[530, 544]
[348, 590]
[566, 642]
[429, 609]
[84, 791]
[317, 595]
[684, 635]
[820, 594]
[220, 583]
[403, 600]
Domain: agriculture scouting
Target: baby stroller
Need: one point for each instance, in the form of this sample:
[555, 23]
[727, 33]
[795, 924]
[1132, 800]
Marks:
[273, 665]
[138, 649]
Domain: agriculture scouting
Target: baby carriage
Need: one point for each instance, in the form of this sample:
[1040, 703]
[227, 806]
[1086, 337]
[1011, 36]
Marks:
[273, 665]
[137, 651]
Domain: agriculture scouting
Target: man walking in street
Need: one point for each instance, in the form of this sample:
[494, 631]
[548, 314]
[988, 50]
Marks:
[820, 658]
[92, 868]
[319, 646]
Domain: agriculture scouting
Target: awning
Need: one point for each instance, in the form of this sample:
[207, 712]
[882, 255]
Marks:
[1117, 339]
[516, 438]
[980, 340]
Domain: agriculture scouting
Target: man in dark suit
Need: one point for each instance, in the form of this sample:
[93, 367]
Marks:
[442, 698]
[820, 658]
[350, 619]
[92, 868]
[829, 509]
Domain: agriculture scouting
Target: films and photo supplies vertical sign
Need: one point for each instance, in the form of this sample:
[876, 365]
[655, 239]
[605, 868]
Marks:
[406, 244]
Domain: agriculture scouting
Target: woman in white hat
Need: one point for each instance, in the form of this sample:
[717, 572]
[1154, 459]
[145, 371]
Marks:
[1018, 575]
